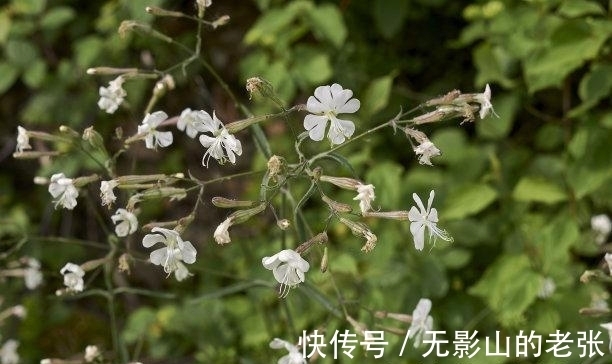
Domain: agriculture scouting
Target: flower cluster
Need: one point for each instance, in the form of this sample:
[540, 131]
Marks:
[112, 96]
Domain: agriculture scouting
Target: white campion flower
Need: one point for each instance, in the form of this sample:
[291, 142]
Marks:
[484, 99]
[8, 352]
[91, 353]
[601, 225]
[63, 190]
[608, 326]
[295, 356]
[365, 196]
[154, 138]
[192, 122]
[425, 218]
[23, 140]
[422, 322]
[175, 252]
[288, 268]
[73, 277]
[426, 150]
[221, 139]
[107, 193]
[221, 234]
[112, 96]
[126, 222]
[326, 104]
[32, 276]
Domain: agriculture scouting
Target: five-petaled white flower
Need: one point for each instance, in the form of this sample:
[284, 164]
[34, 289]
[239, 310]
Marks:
[126, 222]
[425, 218]
[365, 196]
[107, 195]
[601, 225]
[288, 268]
[23, 139]
[154, 138]
[608, 326]
[192, 122]
[326, 104]
[426, 150]
[484, 99]
[221, 234]
[73, 277]
[32, 276]
[91, 353]
[172, 256]
[295, 355]
[422, 322]
[220, 140]
[63, 190]
[8, 352]
[112, 96]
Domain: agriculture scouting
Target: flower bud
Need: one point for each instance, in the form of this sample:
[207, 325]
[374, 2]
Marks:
[220, 21]
[226, 203]
[94, 138]
[324, 261]
[154, 10]
[283, 224]
[342, 182]
[393, 215]
[110, 71]
[68, 130]
[241, 216]
[337, 206]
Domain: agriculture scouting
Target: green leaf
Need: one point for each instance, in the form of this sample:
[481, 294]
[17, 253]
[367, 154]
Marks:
[138, 324]
[580, 8]
[31, 7]
[35, 74]
[377, 95]
[389, 16]
[491, 65]
[386, 178]
[311, 66]
[468, 200]
[20, 53]
[327, 23]
[506, 106]
[87, 50]
[456, 258]
[509, 286]
[5, 26]
[57, 17]
[265, 30]
[534, 189]
[8, 76]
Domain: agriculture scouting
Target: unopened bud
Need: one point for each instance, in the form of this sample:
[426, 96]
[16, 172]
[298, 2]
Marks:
[110, 71]
[220, 21]
[154, 10]
[342, 182]
[68, 130]
[283, 224]
[324, 261]
[39, 180]
[393, 215]
[243, 215]
[227, 203]
[402, 317]
[337, 206]
[93, 137]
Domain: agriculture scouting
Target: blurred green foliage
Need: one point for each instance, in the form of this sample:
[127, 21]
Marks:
[516, 192]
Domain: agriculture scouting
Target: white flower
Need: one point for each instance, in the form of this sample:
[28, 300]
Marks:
[426, 150]
[608, 326]
[107, 195]
[154, 138]
[8, 352]
[288, 268]
[220, 140]
[73, 277]
[63, 190]
[421, 321]
[294, 356]
[602, 226]
[204, 3]
[172, 256]
[19, 311]
[326, 104]
[112, 96]
[547, 288]
[32, 276]
[425, 218]
[221, 232]
[23, 140]
[608, 259]
[91, 353]
[365, 196]
[126, 222]
[485, 102]
[192, 122]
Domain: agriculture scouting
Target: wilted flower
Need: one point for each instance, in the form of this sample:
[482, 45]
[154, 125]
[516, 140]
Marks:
[485, 102]
[192, 122]
[601, 225]
[23, 140]
[73, 277]
[365, 196]
[126, 222]
[63, 190]
[326, 104]
[425, 218]
[221, 234]
[421, 321]
[154, 138]
[8, 352]
[112, 96]
[426, 150]
[32, 276]
[220, 140]
[172, 256]
[107, 195]
[288, 268]
[294, 356]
